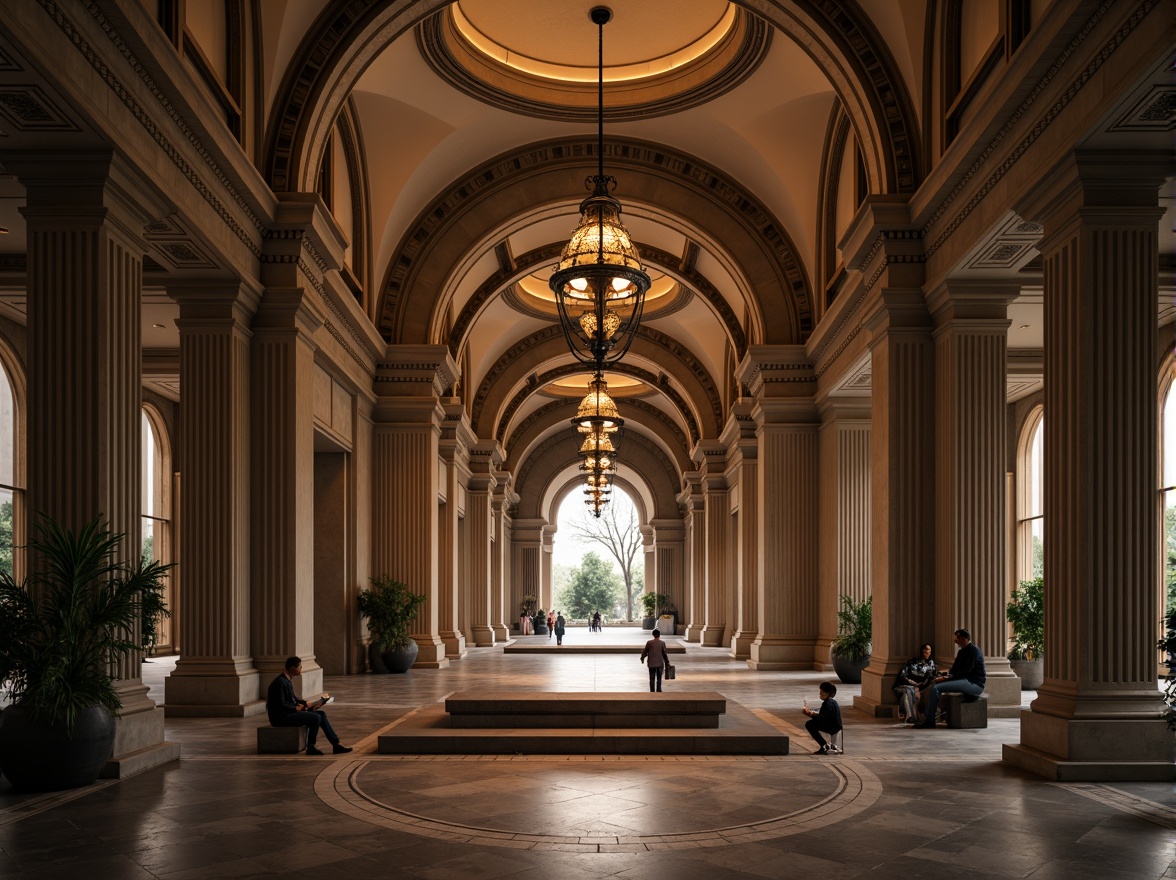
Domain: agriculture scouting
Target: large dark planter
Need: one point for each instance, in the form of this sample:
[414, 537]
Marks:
[849, 671]
[648, 622]
[1031, 673]
[36, 756]
[376, 659]
[401, 659]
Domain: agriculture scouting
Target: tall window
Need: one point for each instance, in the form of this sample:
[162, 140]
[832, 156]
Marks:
[11, 493]
[1168, 492]
[1030, 500]
[157, 525]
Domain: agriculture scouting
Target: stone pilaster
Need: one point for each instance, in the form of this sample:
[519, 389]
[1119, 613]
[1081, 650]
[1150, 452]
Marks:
[781, 383]
[452, 448]
[503, 609]
[547, 562]
[971, 333]
[84, 217]
[408, 415]
[1096, 716]
[693, 613]
[479, 521]
[743, 478]
[669, 552]
[718, 592]
[215, 676]
[526, 552]
[844, 527]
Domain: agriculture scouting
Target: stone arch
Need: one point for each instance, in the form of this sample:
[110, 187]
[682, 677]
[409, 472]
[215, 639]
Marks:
[520, 182]
[349, 34]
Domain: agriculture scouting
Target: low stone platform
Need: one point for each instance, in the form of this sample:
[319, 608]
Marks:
[584, 648]
[545, 723]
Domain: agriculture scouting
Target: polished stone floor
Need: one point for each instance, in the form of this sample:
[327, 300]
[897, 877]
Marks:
[900, 803]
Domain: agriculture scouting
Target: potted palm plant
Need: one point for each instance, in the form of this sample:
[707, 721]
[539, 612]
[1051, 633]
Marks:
[1026, 614]
[850, 651]
[60, 631]
[649, 605]
[390, 608]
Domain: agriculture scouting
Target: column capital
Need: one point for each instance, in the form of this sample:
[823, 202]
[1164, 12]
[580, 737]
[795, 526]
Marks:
[213, 301]
[283, 309]
[739, 432]
[305, 228]
[896, 309]
[776, 371]
[1116, 187]
[976, 302]
[416, 371]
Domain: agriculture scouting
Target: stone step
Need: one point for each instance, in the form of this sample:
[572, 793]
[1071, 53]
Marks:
[569, 648]
[595, 703]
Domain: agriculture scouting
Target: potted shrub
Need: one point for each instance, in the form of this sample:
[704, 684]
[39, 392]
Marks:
[527, 611]
[1026, 615]
[649, 604]
[391, 609]
[850, 651]
[60, 631]
[1168, 645]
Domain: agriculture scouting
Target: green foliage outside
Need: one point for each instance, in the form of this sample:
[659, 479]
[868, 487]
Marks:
[1026, 613]
[855, 627]
[1170, 558]
[594, 587]
[6, 540]
[63, 627]
[1168, 645]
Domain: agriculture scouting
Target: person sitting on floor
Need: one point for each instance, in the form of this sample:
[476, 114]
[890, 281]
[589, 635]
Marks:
[286, 709]
[967, 676]
[827, 719]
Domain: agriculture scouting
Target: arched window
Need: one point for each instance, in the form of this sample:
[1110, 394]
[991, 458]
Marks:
[1168, 492]
[157, 518]
[11, 479]
[1030, 499]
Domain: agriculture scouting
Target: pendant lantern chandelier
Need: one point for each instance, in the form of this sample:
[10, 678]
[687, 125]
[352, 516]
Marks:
[598, 426]
[599, 284]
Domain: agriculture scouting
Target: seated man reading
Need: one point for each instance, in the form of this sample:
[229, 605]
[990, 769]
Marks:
[286, 709]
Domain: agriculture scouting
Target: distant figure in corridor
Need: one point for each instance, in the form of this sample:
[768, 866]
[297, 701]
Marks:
[655, 650]
[559, 628]
[550, 624]
[596, 621]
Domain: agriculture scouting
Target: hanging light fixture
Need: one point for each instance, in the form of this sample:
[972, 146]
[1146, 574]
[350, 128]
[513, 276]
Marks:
[599, 284]
[598, 426]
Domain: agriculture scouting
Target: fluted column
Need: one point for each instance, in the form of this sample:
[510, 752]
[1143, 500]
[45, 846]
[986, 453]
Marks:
[1096, 716]
[971, 332]
[670, 576]
[694, 611]
[452, 448]
[648, 560]
[718, 593]
[215, 676]
[743, 478]
[503, 608]
[479, 520]
[84, 218]
[526, 550]
[902, 488]
[408, 415]
[546, 563]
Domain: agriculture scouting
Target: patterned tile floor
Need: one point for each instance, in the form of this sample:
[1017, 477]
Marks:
[901, 803]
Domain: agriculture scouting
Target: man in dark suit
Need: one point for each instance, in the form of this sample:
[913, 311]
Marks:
[966, 676]
[286, 709]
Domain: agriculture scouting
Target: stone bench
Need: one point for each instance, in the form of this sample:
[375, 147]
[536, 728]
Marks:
[280, 740]
[613, 711]
[965, 712]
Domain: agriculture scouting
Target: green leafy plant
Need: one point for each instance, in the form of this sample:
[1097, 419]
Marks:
[62, 627]
[649, 603]
[1026, 614]
[527, 606]
[391, 608]
[855, 627]
[1168, 645]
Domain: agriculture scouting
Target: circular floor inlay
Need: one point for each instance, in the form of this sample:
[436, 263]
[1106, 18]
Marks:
[595, 806]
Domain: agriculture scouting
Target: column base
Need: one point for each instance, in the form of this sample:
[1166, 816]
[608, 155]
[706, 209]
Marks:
[432, 653]
[741, 645]
[1004, 696]
[1100, 750]
[201, 689]
[776, 654]
[483, 636]
[712, 636]
[501, 632]
[692, 632]
[455, 645]
[139, 742]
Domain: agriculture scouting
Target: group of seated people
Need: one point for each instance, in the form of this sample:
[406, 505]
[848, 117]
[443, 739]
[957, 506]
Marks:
[919, 682]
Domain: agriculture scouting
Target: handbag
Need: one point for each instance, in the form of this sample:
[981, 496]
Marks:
[671, 672]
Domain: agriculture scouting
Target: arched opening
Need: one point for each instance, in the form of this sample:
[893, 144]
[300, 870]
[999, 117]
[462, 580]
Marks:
[158, 532]
[11, 479]
[1030, 538]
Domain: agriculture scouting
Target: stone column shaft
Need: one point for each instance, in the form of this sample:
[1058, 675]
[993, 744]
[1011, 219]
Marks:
[1096, 715]
[479, 519]
[215, 675]
[84, 216]
[743, 477]
[902, 487]
[718, 593]
[453, 448]
[970, 367]
[695, 610]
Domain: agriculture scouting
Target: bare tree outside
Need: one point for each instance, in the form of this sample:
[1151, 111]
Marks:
[617, 531]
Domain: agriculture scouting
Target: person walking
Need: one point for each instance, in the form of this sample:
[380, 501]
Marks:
[550, 624]
[655, 650]
[559, 628]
